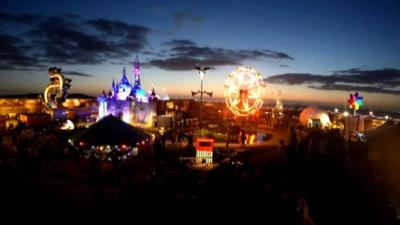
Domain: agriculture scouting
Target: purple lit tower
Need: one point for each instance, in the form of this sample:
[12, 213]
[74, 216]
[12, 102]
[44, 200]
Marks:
[136, 72]
[129, 101]
[138, 92]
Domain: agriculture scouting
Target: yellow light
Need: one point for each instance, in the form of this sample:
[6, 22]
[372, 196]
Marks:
[325, 121]
[252, 139]
[69, 125]
[345, 113]
[149, 119]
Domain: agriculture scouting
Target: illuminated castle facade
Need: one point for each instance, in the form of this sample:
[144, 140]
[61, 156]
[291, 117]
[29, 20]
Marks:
[129, 101]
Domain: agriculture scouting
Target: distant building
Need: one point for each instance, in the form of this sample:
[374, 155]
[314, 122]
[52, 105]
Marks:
[35, 119]
[76, 106]
[129, 101]
[313, 117]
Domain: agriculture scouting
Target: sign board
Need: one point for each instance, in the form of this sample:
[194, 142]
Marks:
[205, 144]
[204, 150]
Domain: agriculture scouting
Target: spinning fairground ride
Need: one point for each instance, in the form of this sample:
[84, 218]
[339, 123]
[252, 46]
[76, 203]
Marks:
[244, 91]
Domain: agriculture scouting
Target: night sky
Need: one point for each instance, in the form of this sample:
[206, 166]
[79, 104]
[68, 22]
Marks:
[310, 51]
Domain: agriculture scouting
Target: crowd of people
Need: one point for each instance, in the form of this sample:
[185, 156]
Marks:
[321, 180]
[25, 148]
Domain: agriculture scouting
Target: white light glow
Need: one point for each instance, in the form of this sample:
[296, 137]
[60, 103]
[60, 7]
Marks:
[325, 121]
[126, 117]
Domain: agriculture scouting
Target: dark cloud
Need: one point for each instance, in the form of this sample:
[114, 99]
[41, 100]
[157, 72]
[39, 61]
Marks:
[7, 18]
[71, 16]
[185, 54]
[125, 36]
[27, 19]
[154, 53]
[179, 42]
[354, 88]
[69, 39]
[186, 63]
[13, 53]
[119, 63]
[182, 17]
[298, 78]
[284, 66]
[385, 80]
[75, 73]
[9, 43]
[384, 77]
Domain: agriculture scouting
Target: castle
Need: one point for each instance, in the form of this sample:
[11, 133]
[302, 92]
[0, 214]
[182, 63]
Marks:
[129, 101]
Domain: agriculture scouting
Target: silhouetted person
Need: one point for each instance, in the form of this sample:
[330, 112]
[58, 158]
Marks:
[243, 138]
[114, 159]
[92, 162]
[190, 141]
[228, 139]
[158, 149]
[158, 153]
[164, 139]
[180, 138]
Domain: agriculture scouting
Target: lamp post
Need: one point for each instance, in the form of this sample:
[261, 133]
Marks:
[202, 72]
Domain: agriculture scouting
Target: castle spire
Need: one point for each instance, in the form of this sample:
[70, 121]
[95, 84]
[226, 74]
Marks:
[124, 79]
[136, 72]
[113, 87]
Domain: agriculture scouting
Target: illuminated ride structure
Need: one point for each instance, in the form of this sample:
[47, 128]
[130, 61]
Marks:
[244, 91]
[56, 92]
[110, 140]
[277, 111]
[355, 102]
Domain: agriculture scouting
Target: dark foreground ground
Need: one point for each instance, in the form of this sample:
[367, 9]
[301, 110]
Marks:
[267, 189]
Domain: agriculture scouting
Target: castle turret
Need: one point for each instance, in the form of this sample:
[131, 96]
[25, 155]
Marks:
[153, 96]
[124, 88]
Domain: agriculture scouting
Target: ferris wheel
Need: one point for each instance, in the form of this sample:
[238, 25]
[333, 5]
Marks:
[244, 91]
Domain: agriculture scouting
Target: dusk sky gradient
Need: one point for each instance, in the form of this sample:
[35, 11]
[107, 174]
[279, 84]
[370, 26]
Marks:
[312, 51]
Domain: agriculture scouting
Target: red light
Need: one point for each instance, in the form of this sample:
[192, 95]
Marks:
[205, 144]
[81, 143]
[123, 146]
